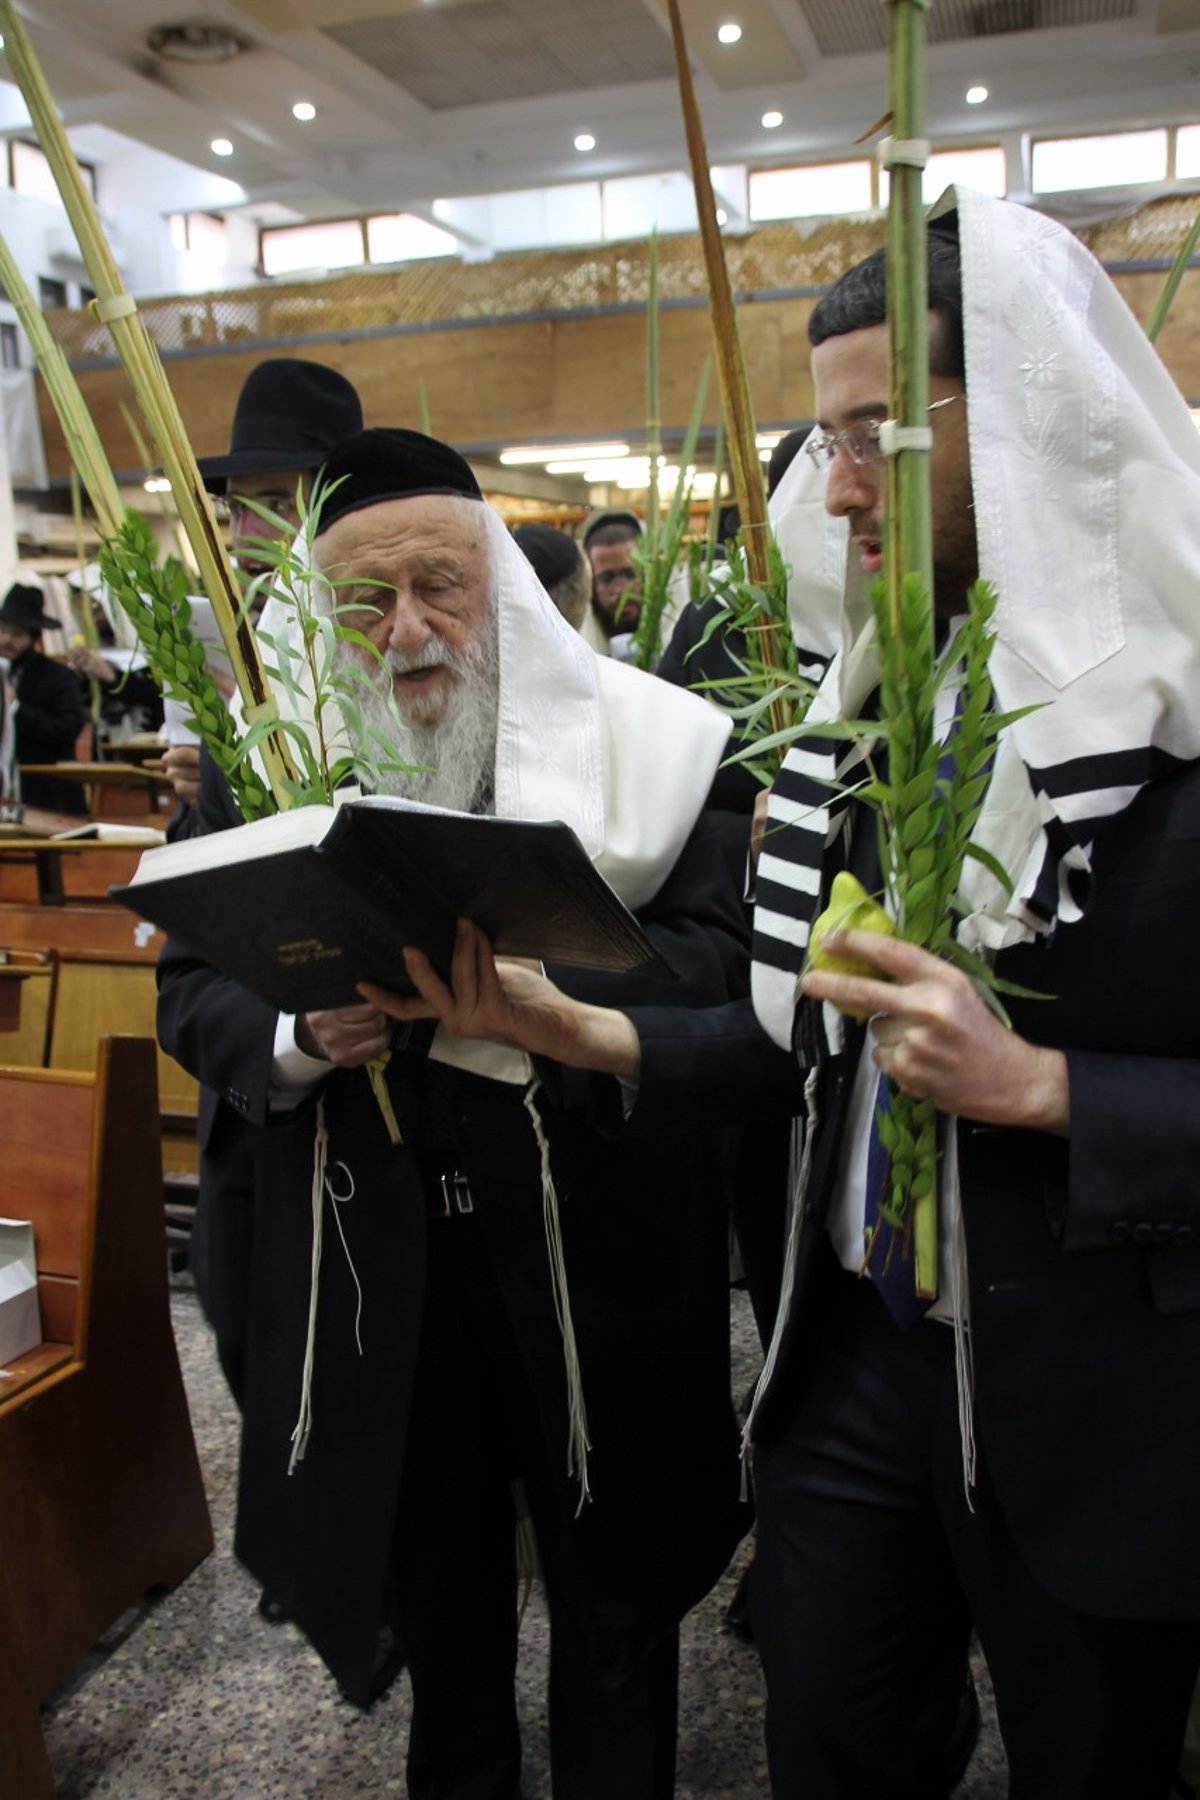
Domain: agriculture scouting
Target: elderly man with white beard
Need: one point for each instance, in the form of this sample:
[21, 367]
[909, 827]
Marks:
[517, 1292]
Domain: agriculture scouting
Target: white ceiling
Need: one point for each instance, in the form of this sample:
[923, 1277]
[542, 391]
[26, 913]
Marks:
[424, 99]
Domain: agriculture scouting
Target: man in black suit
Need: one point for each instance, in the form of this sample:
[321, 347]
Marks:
[461, 1306]
[1024, 1458]
[47, 705]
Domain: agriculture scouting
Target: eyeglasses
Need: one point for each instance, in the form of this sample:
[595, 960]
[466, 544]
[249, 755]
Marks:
[860, 442]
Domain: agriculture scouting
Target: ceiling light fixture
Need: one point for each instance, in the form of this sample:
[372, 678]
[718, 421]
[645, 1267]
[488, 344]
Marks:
[729, 34]
[221, 147]
[772, 120]
[304, 110]
[585, 141]
[976, 96]
[548, 453]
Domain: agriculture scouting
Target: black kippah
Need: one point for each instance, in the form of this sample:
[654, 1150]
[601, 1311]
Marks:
[390, 464]
[553, 554]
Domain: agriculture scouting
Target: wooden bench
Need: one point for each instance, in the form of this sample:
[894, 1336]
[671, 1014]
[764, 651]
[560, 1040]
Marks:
[101, 1497]
[104, 961]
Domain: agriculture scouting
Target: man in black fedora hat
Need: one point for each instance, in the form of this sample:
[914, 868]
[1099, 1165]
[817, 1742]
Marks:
[289, 415]
[49, 709]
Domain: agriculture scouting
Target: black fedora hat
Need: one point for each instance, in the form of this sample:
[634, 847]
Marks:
[25, 607]
[289, 415]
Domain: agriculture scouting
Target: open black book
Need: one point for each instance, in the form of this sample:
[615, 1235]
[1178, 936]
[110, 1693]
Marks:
[303, 905]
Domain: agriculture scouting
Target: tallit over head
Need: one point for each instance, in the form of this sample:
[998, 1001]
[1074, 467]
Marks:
[624, 759]
[1086, 472]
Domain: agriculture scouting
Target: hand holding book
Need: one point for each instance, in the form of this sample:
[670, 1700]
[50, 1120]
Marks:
[510, 1001]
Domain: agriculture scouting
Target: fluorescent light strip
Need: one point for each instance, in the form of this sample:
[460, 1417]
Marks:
[548, 453]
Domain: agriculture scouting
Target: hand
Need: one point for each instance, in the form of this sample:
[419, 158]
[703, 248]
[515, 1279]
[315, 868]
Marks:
[937, 1039]
[348, 1035]
[90, 662]
[181, 766]
[758, 829]
[512, 1002]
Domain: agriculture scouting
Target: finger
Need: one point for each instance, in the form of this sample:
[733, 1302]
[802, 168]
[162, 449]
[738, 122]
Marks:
[853, 993]
[405, 1007]
[464, 967]
[428, 982]
[903, 961]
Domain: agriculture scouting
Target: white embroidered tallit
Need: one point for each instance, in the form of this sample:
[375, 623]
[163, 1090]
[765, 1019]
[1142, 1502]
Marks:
[1085, 465]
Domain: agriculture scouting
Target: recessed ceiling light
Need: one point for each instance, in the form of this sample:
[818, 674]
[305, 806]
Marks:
[585, 141]
[728, 34]
[771, 120]
[304, 110]
[221, 147]
[976, 96]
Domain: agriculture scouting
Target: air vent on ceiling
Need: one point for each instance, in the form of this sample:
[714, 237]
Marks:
[195, 43]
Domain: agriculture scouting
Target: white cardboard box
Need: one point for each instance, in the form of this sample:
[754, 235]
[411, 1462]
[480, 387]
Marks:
[20, 1314]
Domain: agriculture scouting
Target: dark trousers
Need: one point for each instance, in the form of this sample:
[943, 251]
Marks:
[474, 1428]
[871, 1569]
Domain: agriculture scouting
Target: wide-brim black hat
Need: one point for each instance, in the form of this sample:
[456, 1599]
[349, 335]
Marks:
[289, 415]
[25, 607]
[391, 463]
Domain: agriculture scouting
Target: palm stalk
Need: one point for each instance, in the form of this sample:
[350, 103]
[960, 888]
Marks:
[115, 306]
[916, 854]
[87, 624]
[653, 525]
[731, 368]
[82, 438]
[1175, 275]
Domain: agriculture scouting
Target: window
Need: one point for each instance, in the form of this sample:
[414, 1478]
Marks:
[1187, 151]
[401, 237]
[51, 292]
[201, 234]
[10, 347]
[817, 189]
[983, 168]
[636, 205]
[29, 172]
[337, 244]
[1125, 157]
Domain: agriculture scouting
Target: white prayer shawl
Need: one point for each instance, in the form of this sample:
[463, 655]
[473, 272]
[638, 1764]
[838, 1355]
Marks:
[1085, 466]
[624, 759]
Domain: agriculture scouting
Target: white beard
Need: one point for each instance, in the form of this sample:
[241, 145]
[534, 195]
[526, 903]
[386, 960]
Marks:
[451, 761]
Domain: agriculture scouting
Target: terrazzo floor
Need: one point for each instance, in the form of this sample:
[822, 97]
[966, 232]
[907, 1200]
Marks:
[196, 1698]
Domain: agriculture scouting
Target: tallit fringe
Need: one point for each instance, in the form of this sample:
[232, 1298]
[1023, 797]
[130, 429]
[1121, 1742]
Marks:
[578, 1442]
[303, 1426]
[321, 1185]
[964, 1356]
[803, 1172]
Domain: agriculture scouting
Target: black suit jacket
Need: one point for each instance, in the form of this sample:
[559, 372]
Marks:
[1083, 1252]
[50, 716]
[646, 1247]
